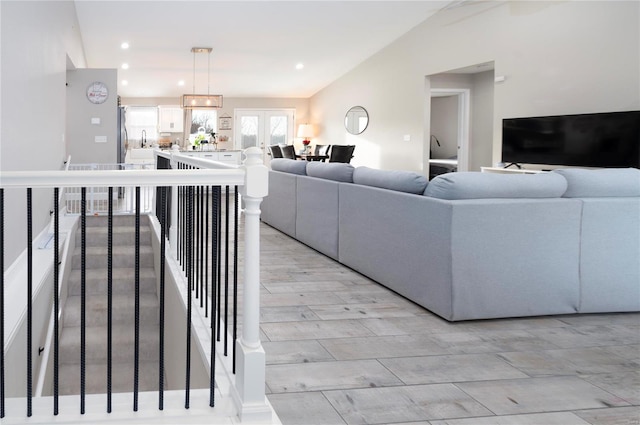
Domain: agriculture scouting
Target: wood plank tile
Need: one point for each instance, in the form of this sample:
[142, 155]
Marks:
[507, 397]
[451, 368]
[295, 352]
[404, 404]
[382, 347]
[304, 409]
[561, 418]
[314, 330]
[329, 375]
[612, 416]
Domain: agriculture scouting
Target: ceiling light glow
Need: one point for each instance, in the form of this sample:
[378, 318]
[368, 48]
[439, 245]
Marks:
[299, 66]
[124, 45]
[125, 82]
[181, 83]
[125, 66]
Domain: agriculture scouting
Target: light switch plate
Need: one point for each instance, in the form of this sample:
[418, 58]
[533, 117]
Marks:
[101, 139]
[407, 138]
[95, 121]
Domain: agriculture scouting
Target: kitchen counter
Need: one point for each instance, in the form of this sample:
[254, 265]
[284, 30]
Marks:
[233, 157]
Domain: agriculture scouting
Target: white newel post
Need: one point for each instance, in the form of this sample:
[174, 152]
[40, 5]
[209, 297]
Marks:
[173, 227]
[250, 361]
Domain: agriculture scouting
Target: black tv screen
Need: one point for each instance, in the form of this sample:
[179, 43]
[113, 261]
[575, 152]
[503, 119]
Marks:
[610, 139]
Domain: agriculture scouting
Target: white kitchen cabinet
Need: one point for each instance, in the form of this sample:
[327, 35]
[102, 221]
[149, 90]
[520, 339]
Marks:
[170, 119]
[227, 157]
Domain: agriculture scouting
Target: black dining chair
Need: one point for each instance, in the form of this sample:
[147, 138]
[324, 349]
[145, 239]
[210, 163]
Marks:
[275, 151]
[288, 151]
[322, 150]
[341, 153]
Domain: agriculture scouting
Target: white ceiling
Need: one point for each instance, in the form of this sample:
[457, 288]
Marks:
[256, 44]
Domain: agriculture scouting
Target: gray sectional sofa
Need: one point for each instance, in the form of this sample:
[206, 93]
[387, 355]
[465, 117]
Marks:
[472, 245]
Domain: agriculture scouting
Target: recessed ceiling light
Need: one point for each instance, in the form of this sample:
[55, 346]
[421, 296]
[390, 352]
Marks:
[124, 45]
[125, 66]
[125, 82]
[181, 83]
[299, 65]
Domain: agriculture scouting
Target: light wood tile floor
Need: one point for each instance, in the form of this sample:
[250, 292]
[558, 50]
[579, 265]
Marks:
[342, 349]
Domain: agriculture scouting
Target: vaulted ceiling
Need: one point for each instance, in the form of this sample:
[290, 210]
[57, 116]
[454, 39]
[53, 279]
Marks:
[256, 44]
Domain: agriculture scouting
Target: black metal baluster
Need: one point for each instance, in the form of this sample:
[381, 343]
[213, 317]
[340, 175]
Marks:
[235, 276]
[195, 241]
[214, 254]
[163, 209]
[206, 253]
[29, 303]
[201, 241]
[56, 297]
[109, 299]
[83, 294]
[2, 303]
[219, 257]
[136, 364]
[214, 265]
[189, 282]
[179, 221]
[226, 269]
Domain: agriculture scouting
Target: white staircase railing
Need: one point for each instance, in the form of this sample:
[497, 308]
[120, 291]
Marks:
[248, 390]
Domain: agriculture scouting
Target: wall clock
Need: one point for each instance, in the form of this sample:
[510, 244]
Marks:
[97, 92]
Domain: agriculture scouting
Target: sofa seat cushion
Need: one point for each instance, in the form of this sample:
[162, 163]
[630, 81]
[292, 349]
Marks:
[290, 166]
[335, 171]
[476, 185]
[400, 181]
[610, 182]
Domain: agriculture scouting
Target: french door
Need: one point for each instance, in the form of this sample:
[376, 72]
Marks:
[263, 127]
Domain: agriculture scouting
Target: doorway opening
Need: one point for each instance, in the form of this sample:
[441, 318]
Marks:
[449, 144]
[262, 128]
[459, 124]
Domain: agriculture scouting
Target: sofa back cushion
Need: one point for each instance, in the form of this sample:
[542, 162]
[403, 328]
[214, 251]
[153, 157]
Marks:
[475, 185]
[401, 181]
[290, 166]
[610, 182]
[336, 171]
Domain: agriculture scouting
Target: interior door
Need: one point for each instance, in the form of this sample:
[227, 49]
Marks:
[263, 127]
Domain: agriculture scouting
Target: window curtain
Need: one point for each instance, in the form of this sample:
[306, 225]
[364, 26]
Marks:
[186, 129]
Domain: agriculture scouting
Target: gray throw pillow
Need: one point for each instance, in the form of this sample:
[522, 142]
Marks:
[475, 185]
[401, 181]
[290, 166]
[609, 182]
[337, 171]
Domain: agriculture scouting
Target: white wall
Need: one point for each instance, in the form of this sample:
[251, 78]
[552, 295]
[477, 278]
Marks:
[81, 133]
[482, 100]
[36, 38]
[557, 57]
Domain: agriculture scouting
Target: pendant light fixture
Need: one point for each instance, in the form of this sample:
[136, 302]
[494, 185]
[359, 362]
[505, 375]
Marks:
[194, 100]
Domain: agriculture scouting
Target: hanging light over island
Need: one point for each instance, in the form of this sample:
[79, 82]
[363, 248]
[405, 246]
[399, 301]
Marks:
[190, 101]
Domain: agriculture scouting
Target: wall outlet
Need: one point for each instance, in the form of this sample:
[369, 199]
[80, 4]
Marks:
[101, 139]
[95, 121]
[407, 138]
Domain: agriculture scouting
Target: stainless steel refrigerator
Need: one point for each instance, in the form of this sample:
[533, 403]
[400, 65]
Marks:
[123, 140]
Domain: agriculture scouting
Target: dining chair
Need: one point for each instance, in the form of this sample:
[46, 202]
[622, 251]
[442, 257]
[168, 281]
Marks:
[341, 153]
[275, 151]
[322, 150]
[288, 151]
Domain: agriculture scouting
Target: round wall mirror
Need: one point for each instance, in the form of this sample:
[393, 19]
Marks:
[356, 120]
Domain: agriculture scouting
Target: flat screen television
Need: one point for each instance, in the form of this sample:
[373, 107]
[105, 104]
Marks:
[610, 139]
